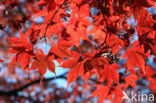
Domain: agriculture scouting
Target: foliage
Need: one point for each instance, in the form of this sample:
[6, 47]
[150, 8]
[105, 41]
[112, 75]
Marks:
[108, 43]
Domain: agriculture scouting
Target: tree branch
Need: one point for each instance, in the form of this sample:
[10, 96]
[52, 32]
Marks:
[108, 28]
[52, 19]
[5, 32]
[100, 6]
[15, 91]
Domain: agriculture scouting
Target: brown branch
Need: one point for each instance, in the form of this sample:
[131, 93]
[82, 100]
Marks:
[101, 9]
[5, 31]
[108, 28]
[15, 91]
[51, 20]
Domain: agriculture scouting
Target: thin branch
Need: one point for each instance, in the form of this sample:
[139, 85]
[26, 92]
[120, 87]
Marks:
[100, 6]
[15, 91]
[5, 31]
[51, 20]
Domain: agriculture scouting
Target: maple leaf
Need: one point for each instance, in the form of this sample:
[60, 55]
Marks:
[23, 50]
[62, 49]
[49, 3]
[150, 75]
[137, 6]
[20, 44]
[102, 92]
[33, 33]
[114, 43]
[115, 94]
[130, 80]
[149, 72]
[77, 33]
[77, 68]
[42, 62]
[110, 73]
[98, 33]
[75, 72]
[147, 42]
[153, 85]
[106, 92]
[23, 58]
[135, 58]
[118, 94]
[145, 23]
[95, 62]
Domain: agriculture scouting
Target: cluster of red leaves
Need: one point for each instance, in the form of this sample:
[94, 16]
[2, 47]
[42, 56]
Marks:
[70, 22]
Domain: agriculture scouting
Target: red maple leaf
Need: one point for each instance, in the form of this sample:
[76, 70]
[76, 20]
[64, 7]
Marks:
[110, 74]
[42, 62]
[62, 49]
[102, 92]
[96, 62]
[76, 64]
[105, 92]
[136, 58]
[22, 48]
[137, 6]
[130, 80]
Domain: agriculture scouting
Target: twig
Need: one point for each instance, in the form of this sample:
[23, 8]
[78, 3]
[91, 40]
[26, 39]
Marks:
[15, 91]
[4, 31]
[100, 6]
[51, 20]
